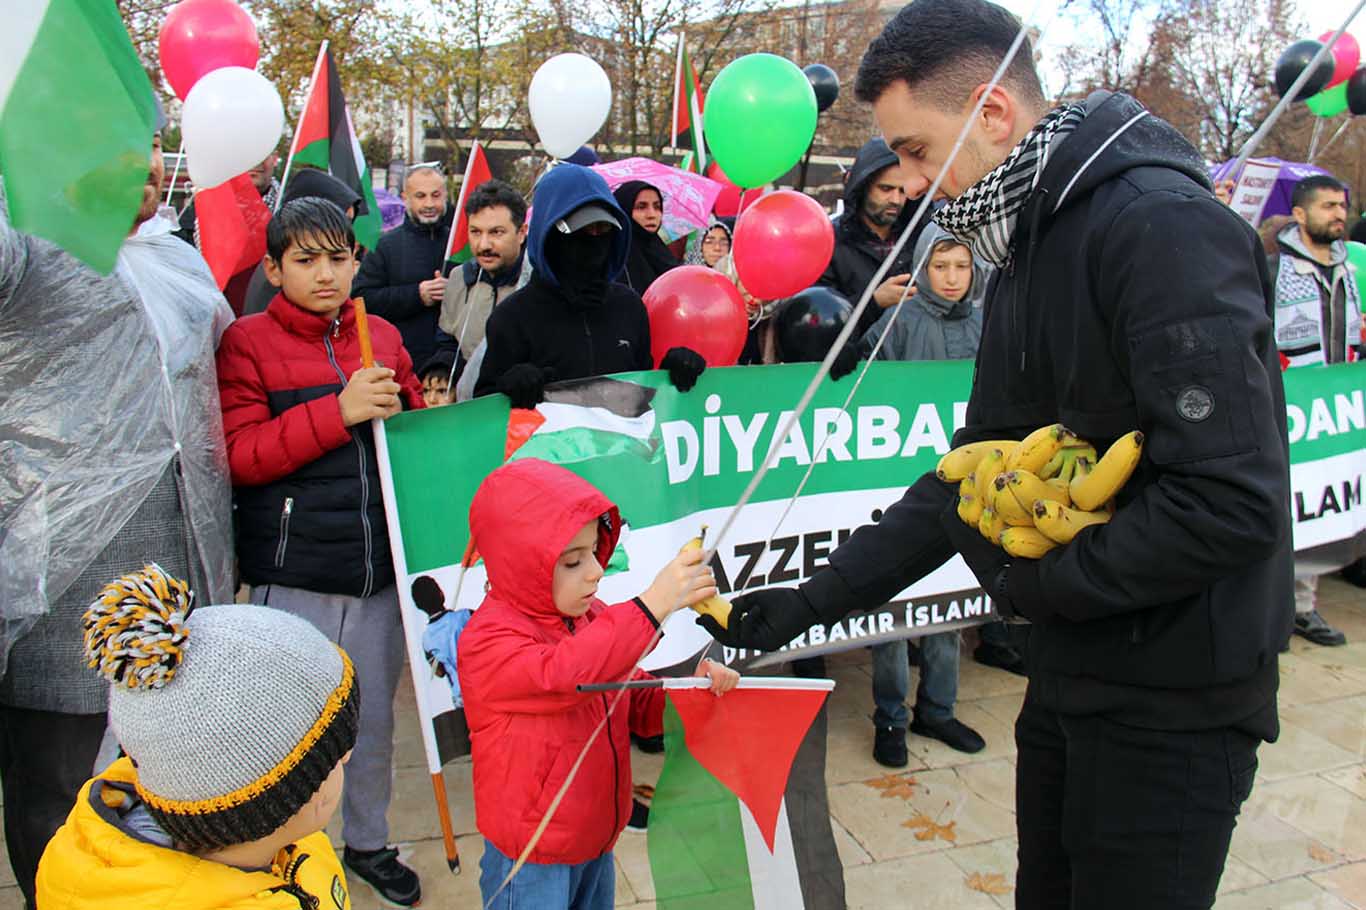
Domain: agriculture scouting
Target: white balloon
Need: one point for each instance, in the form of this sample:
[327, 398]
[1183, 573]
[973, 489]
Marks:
[570, 97]
[231, 122]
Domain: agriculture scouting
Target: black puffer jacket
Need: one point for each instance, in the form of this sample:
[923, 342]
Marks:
[858, 251]
[390, 273]
[1133, 300]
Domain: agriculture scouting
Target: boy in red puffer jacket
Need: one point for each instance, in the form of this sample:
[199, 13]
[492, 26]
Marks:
[311, 535]
[546, 536]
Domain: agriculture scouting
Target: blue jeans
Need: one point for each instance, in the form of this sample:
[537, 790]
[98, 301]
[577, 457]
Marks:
[938, 689]
[586, 886]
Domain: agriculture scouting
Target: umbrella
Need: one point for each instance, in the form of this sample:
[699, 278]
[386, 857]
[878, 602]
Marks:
[391, 208]
[688, 197]
[1278, 198]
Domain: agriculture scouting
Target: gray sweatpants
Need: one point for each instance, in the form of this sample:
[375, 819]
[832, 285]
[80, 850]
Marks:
[370, 630]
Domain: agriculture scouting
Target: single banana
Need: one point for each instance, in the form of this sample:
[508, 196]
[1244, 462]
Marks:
[1037, 449]
[1063, 496]
[970, 509]
[1028, 489]
[988, 469]
[991, 525]
[1061, 524]
[1027, 543]
[1007, 506]
[963, 460]
[1055, 465]
[716, 606]
[1109, 474]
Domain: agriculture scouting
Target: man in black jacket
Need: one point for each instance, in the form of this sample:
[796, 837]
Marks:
[875, 214]
[1127, 297]
[401, 278]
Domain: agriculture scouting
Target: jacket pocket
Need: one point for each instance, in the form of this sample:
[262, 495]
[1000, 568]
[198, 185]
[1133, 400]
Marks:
[1192, 391]
[285, 511]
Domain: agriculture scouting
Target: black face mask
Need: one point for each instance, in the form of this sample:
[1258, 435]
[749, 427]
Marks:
[580, 261]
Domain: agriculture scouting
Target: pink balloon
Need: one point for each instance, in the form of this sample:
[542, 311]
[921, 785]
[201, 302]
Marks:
[695, 307]
[783, 243]
[1346, 55]
[200, 36]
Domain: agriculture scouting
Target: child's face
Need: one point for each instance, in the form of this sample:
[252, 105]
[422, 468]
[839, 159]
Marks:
[435, 389]
[950, 272]
[577, 573]
[312, 276]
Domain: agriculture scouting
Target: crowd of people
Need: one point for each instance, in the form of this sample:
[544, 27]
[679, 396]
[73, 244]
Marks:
[232, 448]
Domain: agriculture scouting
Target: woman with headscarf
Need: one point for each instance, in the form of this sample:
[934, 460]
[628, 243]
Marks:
[711, 246]
[649, 257]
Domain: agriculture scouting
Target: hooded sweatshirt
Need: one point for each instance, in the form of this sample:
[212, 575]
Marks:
[858, 251]
[111, 856]
[1318, 309]
[1133, 300]
[931, 327]
[520, 661]
[572, 317]
[649, 257]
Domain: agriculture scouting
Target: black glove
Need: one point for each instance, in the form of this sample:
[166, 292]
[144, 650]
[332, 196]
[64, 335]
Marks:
[845, 361]
[524, 384]
[1011, 582]
[767, 620]
[684, 365]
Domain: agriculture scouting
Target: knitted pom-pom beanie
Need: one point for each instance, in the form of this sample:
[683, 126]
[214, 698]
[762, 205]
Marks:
[234, 715]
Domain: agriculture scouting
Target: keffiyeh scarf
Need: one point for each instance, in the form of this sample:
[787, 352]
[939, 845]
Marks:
[984, 216]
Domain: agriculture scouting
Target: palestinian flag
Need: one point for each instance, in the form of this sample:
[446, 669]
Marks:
[686, 129]
[477, 173]
[587, 419]
[727, 820]
[326, 140]
[232, 227]
[76, 124]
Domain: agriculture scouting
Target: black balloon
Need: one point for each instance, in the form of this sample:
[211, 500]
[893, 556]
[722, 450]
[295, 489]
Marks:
[1293, 62]
[1356, 91]
[807, 324]
[825, 82]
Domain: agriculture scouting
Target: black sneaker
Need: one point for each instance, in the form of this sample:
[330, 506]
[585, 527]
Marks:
[394, 883]
[1313, 627]
[640, 816]
[1003, 657]
[651, 745]
[952, 732]
[889, 747]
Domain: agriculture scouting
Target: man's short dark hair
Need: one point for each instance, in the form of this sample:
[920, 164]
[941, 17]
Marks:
[491, 193]
[943, 49]
[309, 217]
[1303, 194]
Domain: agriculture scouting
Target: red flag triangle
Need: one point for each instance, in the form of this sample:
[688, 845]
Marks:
[747, 739]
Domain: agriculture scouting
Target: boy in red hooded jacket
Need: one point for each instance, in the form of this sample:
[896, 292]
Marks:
[545, 536]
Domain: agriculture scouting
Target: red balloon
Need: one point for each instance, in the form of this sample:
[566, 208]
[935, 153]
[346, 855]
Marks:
[728, 203]
[1346, 55]
[782, 244]
[200, 36]
[696, 307]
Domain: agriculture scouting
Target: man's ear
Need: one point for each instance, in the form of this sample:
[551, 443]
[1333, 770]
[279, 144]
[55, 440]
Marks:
[522, 232]
[274, 274]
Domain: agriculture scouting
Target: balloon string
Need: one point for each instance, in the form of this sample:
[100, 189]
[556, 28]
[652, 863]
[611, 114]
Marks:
[1334, 138]
[838, 345]
[175, 174]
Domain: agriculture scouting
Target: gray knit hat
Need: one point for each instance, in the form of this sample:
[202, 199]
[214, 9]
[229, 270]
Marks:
[234, 716]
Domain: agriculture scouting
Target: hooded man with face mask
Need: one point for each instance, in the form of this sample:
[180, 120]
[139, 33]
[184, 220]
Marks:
[573, 319]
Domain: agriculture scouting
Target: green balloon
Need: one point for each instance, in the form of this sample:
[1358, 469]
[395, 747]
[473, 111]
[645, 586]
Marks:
[1330, 102]
[760, 119]
[1356, 264]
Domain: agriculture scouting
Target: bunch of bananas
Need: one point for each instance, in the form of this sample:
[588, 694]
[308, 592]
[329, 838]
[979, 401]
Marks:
[1035, 494]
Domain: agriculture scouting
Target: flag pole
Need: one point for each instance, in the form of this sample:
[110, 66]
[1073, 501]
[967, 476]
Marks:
[695, 112]
[678, 79]
[293, 145]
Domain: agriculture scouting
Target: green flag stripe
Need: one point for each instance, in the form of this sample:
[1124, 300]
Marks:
[576, 444]
[315, 154]
[696, 841]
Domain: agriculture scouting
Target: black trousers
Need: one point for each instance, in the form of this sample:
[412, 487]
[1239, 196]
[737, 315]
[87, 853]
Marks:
[45, 759]
[1112, 817]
